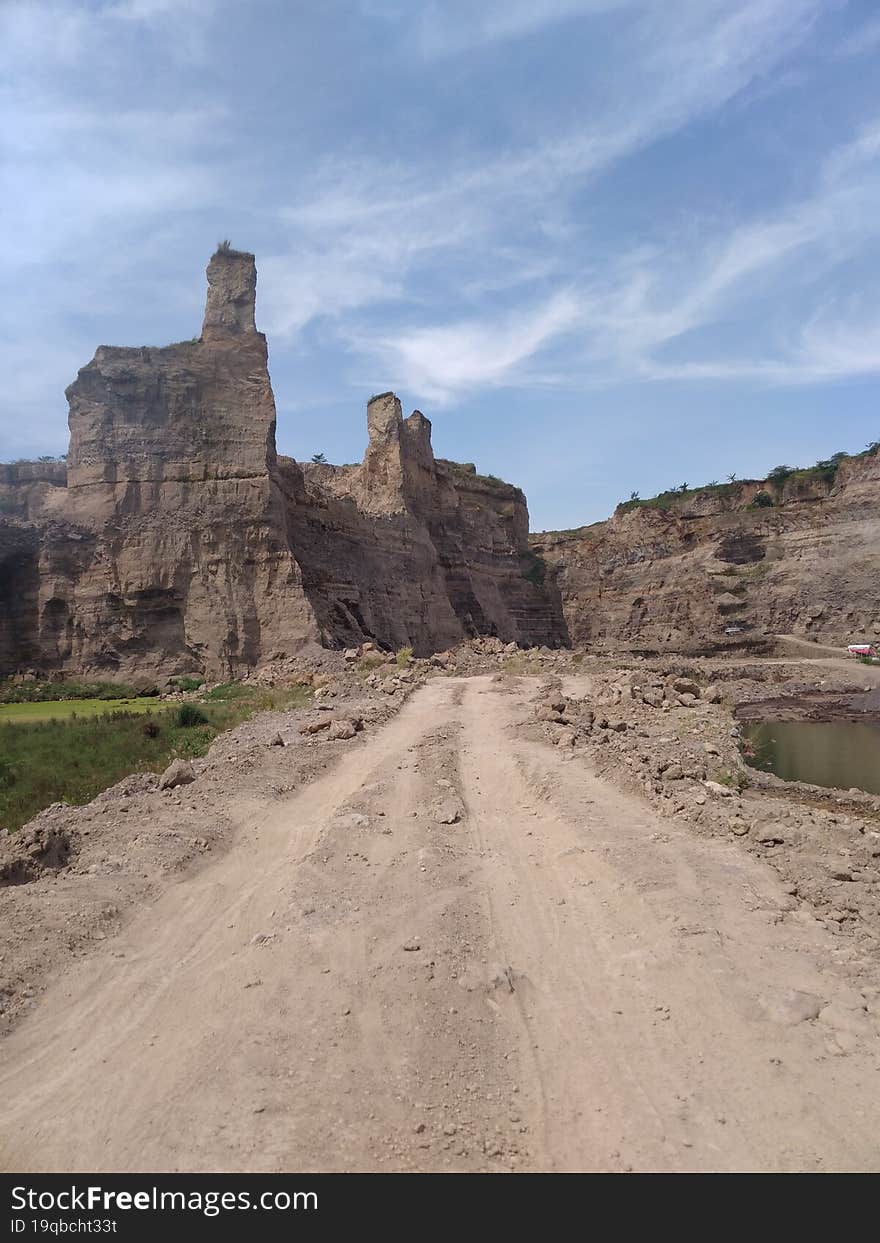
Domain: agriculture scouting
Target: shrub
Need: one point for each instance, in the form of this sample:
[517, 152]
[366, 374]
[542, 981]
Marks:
[827, 468]
[151, 729]
[536, 572]
[762, 500]
[187, 684]
[404, 656]
[188, 715]
[225, 691]
[43, 691]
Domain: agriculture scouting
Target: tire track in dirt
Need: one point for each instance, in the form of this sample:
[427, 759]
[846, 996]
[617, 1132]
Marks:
[455, 950]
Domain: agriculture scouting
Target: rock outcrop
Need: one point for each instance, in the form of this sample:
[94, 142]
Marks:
[801, 557]
[177, 540]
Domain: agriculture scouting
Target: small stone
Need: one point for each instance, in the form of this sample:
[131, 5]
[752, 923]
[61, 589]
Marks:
[448, 811]
[715, 787]
[770, 835]
[412, 945]
[792, 1007]
[842, 1019]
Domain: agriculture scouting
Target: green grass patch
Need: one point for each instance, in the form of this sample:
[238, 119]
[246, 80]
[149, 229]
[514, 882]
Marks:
[66, 709]
[74, 758]
[187, 684]
[53, 692]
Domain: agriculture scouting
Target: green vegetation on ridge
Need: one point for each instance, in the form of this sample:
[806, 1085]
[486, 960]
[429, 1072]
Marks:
[824, 470]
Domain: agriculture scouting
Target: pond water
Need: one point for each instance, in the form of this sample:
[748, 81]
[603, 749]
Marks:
[839, 754]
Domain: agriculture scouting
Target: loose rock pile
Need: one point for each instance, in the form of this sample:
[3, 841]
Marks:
[675, 742]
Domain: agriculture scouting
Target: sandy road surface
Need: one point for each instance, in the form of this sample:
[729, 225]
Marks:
[558, 979]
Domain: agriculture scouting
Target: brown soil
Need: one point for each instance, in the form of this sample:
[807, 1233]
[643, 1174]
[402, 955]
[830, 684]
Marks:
[455, 947]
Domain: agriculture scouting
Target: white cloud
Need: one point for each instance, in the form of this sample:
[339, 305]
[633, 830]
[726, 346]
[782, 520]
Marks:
[440, 363]
[405, 261]
[150, 10]
[446, 27]
[363, 232]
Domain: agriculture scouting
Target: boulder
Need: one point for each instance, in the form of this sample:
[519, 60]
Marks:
[178, 773]
[341, 728]
[770, 835]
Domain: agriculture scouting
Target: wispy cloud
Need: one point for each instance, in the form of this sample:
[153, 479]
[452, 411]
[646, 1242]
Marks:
[449, 27]
[362, 234]
[449, 197]
[441, 362]
[631, 322]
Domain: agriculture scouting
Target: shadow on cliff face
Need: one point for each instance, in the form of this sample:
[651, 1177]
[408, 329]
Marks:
[741, 548]
[19, 598]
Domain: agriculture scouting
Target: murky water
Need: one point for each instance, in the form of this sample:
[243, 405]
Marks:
[839, 754]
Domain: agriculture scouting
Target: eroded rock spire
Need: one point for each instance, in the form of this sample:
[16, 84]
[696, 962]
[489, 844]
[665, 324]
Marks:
[232, 293]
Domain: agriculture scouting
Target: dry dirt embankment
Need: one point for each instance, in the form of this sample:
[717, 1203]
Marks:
[457, 949]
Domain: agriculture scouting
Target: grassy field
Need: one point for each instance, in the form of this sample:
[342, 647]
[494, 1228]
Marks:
[63, 709]
[71, 760]
[39, 690]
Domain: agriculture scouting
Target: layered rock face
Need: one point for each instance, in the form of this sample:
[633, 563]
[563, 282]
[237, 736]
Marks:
[654, 579]
[176, 540]
[424, 552]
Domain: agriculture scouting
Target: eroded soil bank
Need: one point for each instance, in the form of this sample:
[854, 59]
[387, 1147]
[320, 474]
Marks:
[819, 705]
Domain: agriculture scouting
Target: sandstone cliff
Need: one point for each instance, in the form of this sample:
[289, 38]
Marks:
[798, 556]
[176, 540]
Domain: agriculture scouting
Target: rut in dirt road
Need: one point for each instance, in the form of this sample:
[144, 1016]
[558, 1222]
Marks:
[457, 950]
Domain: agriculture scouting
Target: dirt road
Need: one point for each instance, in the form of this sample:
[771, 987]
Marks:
[457, 950]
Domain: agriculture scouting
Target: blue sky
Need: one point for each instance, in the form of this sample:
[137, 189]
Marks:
[603, 244]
